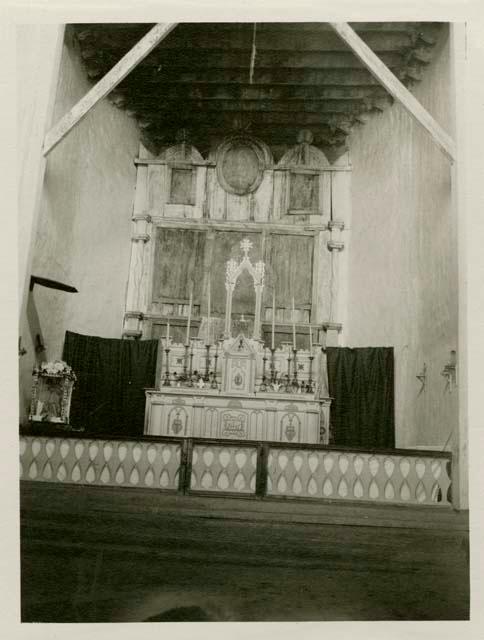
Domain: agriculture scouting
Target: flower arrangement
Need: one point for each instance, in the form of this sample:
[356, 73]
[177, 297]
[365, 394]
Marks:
[56, 368]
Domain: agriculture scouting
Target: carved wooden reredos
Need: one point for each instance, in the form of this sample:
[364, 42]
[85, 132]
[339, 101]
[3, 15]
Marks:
[192, 212]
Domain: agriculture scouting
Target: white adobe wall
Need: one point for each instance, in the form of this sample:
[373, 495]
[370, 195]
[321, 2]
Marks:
[84, 230]
[403, 261]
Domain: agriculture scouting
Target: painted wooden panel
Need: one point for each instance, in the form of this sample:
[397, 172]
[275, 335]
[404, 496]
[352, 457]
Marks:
[178, 262]
[322, 275]
[291, 262]
[140, 204]
[262, 199]
[279, 195]
[325, 185]
[157, 186]
[341, 196]
[303, 191]
[182, 184]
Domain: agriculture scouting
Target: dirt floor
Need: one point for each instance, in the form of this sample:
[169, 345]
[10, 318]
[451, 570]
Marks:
[88, 564]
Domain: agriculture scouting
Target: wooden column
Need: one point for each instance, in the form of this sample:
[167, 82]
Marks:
[137, 294]
[340, 235]
[335, 245]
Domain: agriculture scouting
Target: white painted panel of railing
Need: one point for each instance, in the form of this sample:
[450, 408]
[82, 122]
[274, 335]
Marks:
[342, 475]
[223, 468]
[149, 465]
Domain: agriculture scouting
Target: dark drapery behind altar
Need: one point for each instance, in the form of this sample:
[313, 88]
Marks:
[111, 377]
[361, 383]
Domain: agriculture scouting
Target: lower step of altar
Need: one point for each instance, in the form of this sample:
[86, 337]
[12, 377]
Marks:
[210, 414]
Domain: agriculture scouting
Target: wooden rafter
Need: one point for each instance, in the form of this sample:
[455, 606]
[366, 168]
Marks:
[106, 84]
[391, 83]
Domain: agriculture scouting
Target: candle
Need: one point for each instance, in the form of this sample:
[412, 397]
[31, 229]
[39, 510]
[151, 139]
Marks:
[273, 316]
[187, 340]
[310, 341]
[293, 325]
[208, 314]
[167, 333]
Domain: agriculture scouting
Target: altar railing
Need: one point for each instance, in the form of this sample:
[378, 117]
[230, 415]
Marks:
[239, 467]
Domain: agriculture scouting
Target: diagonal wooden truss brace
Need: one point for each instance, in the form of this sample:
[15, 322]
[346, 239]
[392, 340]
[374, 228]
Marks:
[120, 70]
[393, 85]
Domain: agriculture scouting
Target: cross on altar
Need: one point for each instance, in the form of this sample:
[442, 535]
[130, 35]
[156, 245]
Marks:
[246, 245]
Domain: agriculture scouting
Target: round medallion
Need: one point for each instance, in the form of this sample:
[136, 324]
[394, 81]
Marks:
[241, 162]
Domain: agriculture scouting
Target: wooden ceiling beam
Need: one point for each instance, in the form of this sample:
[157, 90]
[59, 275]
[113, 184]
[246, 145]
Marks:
[396, 88]
[230, 28]
[304, 77]
[195, 58]
[104, 86]
[210, 136]
[247, 92]
[228, 120]
[272, 76]
[161, 105]
[282, 41]
[123, 29]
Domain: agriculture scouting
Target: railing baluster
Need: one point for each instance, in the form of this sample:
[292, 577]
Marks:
[183, 467]
[261, 477]
[240, 467]
[186, 465]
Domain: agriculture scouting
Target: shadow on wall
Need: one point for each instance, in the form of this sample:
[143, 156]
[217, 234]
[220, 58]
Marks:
[183, 614]
[32, 351]
[36, 335]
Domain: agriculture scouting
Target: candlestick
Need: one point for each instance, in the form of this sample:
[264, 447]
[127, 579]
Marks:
[166, 382]
[310, 381]
[264, 360]
[190, 370]
[185, 362]
[187, 339]
[293, 325]
[207, 362]
[273, 316]
[208, 313]
[295, 383]
[273, 366]
[215, 365]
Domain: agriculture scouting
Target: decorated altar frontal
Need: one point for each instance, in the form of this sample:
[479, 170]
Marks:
[236, 387]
